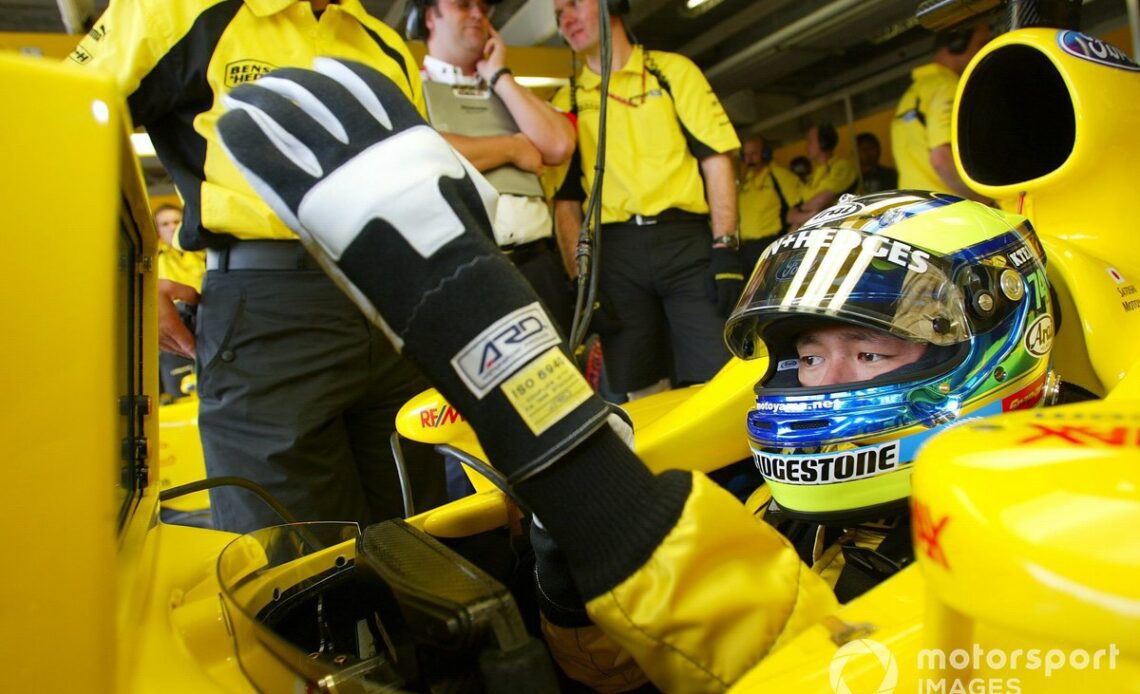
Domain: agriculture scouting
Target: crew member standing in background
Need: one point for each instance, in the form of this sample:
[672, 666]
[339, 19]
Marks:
[298, 391]
[920, 132]
[185, 268]
[875, 176]
[831, 176]
[670, 266]
[767, 191]
[504, 130]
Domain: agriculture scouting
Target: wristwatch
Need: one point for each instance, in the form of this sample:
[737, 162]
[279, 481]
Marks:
[730, 240]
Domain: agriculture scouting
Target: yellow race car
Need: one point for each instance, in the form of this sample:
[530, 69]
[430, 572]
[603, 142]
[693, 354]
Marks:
[1026, 574]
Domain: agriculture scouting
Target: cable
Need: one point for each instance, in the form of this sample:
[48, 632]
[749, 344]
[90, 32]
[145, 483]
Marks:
[589, 246]
[203, 485]
[493, 476]
[243, 483]
[402, 473]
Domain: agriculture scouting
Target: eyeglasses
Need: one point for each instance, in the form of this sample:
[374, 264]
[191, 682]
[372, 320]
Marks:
[485, 8]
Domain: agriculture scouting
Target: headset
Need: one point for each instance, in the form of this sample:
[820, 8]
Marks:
[618, 8]
[827, 136]
[415, 23]
[765, 151]
[957, 41]
[415, 26]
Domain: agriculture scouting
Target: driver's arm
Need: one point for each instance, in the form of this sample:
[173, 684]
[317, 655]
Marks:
[413, 250]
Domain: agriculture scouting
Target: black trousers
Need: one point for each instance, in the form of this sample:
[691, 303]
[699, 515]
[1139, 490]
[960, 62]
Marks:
[299, 393]
[664, 323]
[541, 263]
[750, 252]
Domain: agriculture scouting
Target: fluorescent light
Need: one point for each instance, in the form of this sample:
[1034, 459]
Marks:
[539, 82]
[694, 4]
[142, 144]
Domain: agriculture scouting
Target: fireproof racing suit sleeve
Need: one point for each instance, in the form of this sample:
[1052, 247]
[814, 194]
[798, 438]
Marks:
[413, 250]
[718, 594]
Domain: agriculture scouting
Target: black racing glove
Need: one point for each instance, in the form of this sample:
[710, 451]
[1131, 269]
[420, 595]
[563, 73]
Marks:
[402, 224]
[725, 278]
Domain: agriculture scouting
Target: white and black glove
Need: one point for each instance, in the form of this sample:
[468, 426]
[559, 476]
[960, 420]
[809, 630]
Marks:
[402, 224]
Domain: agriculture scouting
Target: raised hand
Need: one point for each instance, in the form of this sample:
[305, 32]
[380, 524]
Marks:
[402, 223]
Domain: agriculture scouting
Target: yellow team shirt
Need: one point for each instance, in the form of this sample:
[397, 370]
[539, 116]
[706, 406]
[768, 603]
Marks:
[174, 60]
[183, 267]
[649, 164]
[759, 202]
[837, 175]
[921, 123]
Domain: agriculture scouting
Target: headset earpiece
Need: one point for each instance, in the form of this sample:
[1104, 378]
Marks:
[828, 137]
[766, 153]
[619, 7]
[957, 41]
[415, 26]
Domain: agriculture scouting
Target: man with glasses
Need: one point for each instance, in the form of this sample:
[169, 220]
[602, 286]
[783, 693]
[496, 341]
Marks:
[298, 392]
[670, 267]
[505, 131]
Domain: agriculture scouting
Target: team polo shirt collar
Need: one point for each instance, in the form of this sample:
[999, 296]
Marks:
[931, 69]
[757, 174]
[266, 8]
[436, 70]
[635, 65]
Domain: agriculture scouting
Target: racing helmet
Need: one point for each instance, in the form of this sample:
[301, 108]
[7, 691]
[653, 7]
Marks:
[966, 279]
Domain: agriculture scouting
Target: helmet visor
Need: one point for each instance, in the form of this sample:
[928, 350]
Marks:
[867, 279]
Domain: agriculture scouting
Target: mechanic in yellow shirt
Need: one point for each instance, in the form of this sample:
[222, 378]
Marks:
[670, 267]
[765, 193]
[182, 267]
[297, 393]
[831, 176]
[920, 131]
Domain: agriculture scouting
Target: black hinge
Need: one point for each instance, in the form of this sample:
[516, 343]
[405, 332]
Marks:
[134, 405]
[135, 450]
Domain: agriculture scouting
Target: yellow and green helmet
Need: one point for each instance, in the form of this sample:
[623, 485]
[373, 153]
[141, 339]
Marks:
[966, 279]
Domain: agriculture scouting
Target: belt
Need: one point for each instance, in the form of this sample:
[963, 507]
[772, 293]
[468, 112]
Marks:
[260, 255]
[670, 215]
[522, 252]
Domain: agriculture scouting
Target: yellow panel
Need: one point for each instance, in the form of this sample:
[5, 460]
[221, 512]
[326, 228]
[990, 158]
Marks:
[56, 46]
[58, 417]
[179, 452]
[706, 431]
[1081, 200]
[1040, 499]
